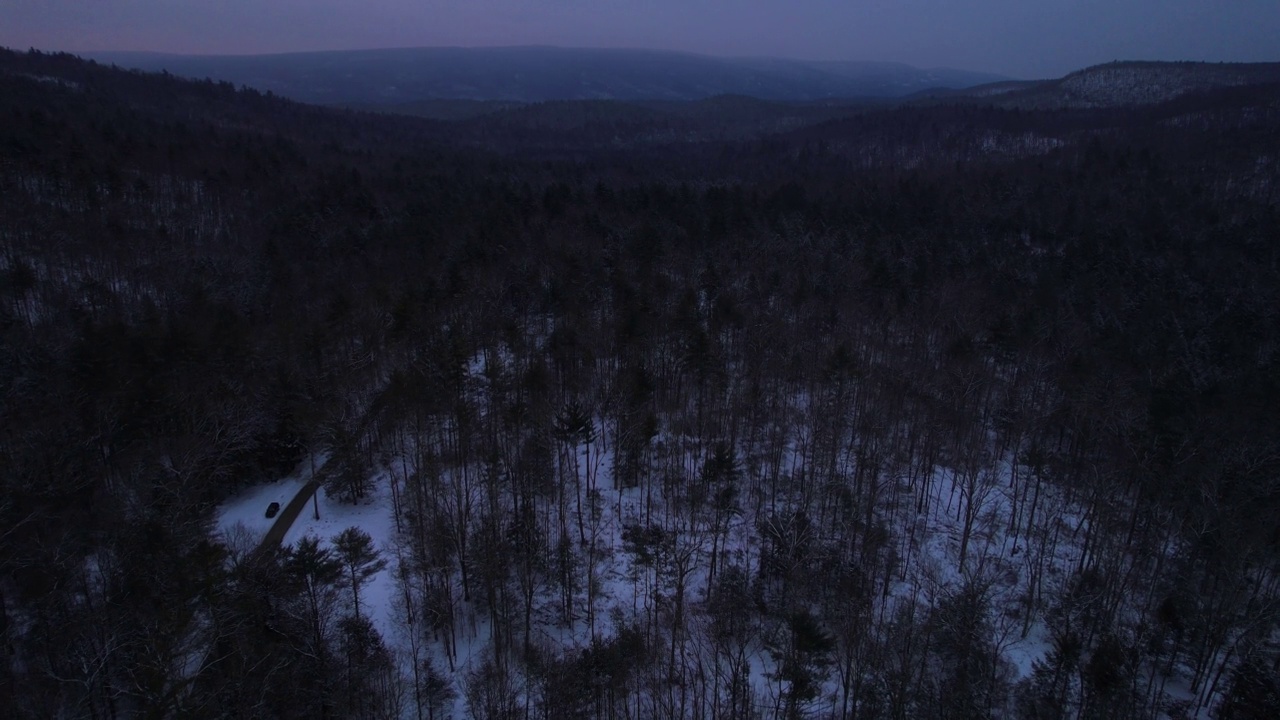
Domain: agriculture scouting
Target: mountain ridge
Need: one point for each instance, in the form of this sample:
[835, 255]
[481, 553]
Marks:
[1113, 84]
[540, 73]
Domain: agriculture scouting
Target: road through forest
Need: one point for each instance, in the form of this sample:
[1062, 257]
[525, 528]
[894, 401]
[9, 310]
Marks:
[290, 513]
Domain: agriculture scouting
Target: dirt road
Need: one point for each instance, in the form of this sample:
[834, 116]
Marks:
[290, 513]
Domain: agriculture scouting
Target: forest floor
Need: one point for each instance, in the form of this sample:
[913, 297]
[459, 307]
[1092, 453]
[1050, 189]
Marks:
[242, 524]
[1000, 557]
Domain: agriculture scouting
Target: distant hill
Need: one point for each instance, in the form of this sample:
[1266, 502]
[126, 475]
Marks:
[1129, 83]
[1115, 84]
[534, 74]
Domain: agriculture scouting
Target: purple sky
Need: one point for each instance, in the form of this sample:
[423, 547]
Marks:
[1025, 38]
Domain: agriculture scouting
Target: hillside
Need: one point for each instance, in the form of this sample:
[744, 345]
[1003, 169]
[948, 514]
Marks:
[720, 409]
[1116, 85]
[533, 74]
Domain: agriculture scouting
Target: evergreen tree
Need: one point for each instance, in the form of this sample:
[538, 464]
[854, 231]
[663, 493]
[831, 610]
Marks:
[360, 561]
[802, 658]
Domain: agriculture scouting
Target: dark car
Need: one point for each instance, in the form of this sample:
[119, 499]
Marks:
[272, 509]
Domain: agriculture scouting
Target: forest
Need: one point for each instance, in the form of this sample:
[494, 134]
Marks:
[727, 409]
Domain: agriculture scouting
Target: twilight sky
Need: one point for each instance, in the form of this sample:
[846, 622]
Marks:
[1024, 38]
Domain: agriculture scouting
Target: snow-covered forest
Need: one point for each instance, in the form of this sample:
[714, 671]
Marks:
[934, 411]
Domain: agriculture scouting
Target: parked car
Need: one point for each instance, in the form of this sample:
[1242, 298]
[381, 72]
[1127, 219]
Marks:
[272, 509]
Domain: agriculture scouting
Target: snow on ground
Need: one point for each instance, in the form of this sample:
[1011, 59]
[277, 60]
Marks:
[997, 552]
[242, 523]
[242, 519]
[995, 556]
[1179, 693]
[1024, 653]
[375, 515]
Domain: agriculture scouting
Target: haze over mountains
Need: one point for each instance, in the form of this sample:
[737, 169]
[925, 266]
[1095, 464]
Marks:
[730, 97]
[534, 74]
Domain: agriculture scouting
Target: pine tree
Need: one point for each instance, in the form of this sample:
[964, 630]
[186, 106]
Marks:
[317, 570]
[802, 659]
[360, 560]
[1254, 692]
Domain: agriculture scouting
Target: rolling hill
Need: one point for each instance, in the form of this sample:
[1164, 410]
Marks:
[533, 74]
[1114, 84]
